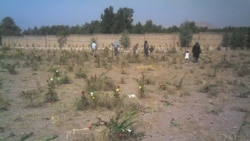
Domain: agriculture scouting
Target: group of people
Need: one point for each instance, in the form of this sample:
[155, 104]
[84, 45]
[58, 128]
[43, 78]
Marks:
[196, 50]
[94, 48]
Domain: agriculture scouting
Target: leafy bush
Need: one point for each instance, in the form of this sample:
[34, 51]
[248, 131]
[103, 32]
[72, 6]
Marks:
[50, 95]
[95, 100]
[141, 87]
[122, 126]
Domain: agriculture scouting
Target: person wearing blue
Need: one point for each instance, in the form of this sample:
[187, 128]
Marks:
[116, 45]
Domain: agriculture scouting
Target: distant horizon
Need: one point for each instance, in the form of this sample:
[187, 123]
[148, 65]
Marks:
[167, 13]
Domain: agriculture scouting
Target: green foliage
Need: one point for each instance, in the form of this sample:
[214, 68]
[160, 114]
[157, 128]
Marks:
[94, 100]
[125, 40]
[248, 38]
[50, 95]
[122, 126]
[108, 20]
[237, 39]
[151, 49]
[83, 103]
[226, 39]
[8, 27]
[141, 86]
[150, 27]
[123, 20]
[81, 73]
[187, 29]
[63, 79]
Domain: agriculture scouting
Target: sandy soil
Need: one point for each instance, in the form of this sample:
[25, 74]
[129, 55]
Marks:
[208, 101]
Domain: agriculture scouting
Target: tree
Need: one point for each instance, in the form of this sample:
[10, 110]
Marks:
[138, 29]
[107, 20]
[125, 41]
[123, 20]
[148, 27]
[237, 39]
[62, 40]
[248, 38]
[226, 39]
[172, 29]
[187, 29]
[8, 27]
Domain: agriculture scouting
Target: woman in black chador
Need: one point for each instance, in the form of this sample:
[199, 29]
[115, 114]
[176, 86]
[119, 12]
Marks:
[146, 47]
[196, 52]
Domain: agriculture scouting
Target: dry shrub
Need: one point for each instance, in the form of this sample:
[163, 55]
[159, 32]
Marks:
[95, 83]
[243, 71]
[81, 74]
[4, 103]
[210, 89]
[99, 100]
[33, 97]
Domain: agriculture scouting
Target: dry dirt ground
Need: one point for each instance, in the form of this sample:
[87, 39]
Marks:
[204, 101]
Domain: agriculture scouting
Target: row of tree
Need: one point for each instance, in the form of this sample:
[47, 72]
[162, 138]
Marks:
[116, 23]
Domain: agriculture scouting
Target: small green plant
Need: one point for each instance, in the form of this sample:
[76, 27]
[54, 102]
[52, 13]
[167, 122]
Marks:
[94, 100]
[141, 86]
[166, 103]
[122, 126]
[151, 49]
[81, 74]
[83, 102]
[64, 79]
[117, 92]
[50, 95]
[173, 123]
[162, 86]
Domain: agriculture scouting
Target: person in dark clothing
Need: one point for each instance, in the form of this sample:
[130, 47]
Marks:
[196, 52]
[146, 47]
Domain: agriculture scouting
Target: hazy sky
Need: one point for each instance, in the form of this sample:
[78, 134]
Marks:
[220, 13]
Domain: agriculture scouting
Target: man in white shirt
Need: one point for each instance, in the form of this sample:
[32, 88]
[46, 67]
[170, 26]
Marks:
[94, 48]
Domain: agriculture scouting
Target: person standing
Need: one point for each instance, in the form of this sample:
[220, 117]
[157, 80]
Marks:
[146, 47]
[196, 52]
[94, 48]
[186, 55]
[116, 45]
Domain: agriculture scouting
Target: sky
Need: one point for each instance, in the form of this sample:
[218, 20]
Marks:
[220, 13]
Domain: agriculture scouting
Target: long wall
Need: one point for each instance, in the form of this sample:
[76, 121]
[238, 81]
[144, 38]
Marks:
[160, 41]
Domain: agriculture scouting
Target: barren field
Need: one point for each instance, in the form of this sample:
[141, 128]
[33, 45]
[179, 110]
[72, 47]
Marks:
[64, 95]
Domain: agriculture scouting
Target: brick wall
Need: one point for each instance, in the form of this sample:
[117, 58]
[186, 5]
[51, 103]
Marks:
[160, 41]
